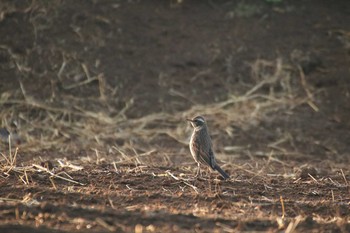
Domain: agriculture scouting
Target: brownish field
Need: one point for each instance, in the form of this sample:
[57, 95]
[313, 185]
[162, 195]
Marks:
[96, 93]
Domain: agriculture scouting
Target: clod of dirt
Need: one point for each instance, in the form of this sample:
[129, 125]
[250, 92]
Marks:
[306, 172]
[308, 222]
[47, 164]
[306, 60]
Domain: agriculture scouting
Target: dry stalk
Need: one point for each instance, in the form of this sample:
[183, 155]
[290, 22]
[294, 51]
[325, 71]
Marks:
[343, 175]
[10, 160]
[293, 224]
[183, 181]
[306, 89]
[105, 225]
[282, 206]
[137, 157]
[56, 176]
[313, 178]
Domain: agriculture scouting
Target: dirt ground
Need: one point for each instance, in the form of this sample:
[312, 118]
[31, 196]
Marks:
[95, 95]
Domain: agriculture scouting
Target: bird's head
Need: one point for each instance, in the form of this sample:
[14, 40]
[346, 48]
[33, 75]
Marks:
[197, 122]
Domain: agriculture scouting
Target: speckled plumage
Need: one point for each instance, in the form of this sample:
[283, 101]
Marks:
[201, 145]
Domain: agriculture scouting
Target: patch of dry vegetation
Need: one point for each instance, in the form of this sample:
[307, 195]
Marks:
[63, 123]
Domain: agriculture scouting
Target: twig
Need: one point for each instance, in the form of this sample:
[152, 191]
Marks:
[346, 182]
[5, 199]
[183, 181]
[174, 92]
[335, 183]
[56, 176]
[105, 225]
[63, 65]
[87, 81]
[306, 89]
[312, 178]
[332, 195]
[293, 224]
[282, 205]
[53, 183]
[129, 158]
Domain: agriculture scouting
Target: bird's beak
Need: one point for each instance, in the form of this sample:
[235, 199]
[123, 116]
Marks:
[190, 120]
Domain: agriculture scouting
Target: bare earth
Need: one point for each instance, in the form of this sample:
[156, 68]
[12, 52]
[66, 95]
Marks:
[95, 95]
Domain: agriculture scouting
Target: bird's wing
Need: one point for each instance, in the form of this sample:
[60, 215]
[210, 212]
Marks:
[200, 150]
[212, 161]
[205, 153]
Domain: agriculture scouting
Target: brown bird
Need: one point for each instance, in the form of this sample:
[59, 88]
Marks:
[201, 146]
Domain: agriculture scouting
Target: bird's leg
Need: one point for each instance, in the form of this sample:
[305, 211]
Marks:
[208, 170]
[198, 170]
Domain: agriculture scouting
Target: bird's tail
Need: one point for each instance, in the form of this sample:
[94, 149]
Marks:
[222, 173]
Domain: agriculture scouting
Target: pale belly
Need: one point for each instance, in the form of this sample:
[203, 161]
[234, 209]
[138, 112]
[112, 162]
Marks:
[194, 154]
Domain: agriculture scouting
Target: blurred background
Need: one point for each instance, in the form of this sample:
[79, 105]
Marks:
[122, 76]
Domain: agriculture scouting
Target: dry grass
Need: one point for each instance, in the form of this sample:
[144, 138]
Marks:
[54, 124]
[8, 162]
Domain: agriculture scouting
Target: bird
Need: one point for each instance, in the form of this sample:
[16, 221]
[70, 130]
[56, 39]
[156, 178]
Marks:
[201, 146]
